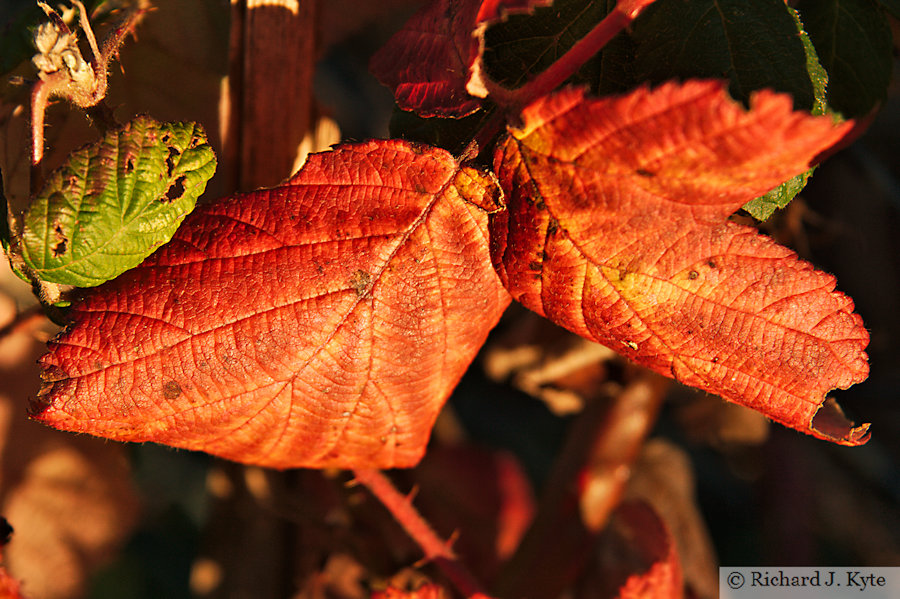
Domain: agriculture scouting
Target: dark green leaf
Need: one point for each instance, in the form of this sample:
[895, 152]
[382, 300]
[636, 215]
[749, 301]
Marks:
[892, 6]
[763, 207]
[115, 201]
[753, 43]
[853, 40]
[524, 45]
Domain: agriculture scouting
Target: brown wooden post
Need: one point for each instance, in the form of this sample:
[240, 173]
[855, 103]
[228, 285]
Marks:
[268, 105]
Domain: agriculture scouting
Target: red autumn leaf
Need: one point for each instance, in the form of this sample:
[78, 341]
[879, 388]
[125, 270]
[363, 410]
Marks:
[321, 323]
[427, 63]
[617, 230]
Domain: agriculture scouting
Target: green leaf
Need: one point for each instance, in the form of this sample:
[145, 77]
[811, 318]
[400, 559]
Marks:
[524, 45]
[763, 207]
[115, 201]
[753, 43]
[853, 40]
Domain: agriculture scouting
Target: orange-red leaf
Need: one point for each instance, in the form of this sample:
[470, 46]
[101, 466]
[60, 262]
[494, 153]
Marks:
[426, 591]
[428, 62]
[617, 229]
[653, 546]
[322, 323]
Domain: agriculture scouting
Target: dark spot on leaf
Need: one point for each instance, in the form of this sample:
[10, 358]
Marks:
[174, 153]
[693, 275]
[420, 188]
[359, 282]
[535, 265]
[62, 242]
[129, 165]
[711, 263]
[715, 360]
[175, 191]
[171, 390]
[645, 173]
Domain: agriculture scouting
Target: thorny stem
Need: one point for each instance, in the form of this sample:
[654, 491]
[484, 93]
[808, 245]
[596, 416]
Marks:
[83, 93]
[88, 32]
[435, 548]
[39, 98]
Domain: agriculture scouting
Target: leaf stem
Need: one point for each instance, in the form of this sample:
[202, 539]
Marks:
[436, 550]
[39, 97]
[568, 64]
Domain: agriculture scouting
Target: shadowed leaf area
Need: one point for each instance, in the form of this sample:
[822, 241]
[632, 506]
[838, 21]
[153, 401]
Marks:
[617, 229]
[321, 323]
[427, 64]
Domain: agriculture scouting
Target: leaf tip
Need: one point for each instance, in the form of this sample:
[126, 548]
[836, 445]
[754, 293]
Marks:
[831, 424]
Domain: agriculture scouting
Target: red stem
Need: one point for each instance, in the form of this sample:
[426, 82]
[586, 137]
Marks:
[436, 549]
[569, 63]
[39, 97]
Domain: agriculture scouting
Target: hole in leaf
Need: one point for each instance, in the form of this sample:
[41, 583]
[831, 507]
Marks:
[129, 165]
[62, 242]
[175, 191]
[174, 153]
